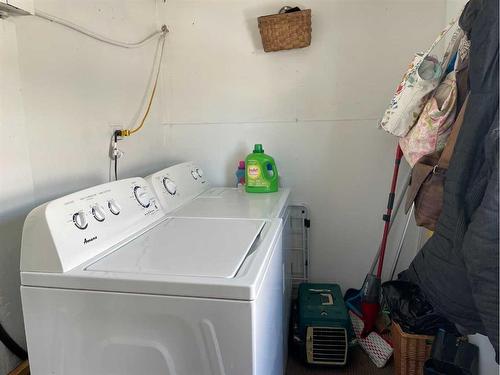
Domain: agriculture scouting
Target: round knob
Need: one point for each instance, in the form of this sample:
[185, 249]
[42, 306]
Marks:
[170, 186]
[98, 213]
[113, 207]
[200, 172]
[142, 196]
[194, 174]
[80, 220]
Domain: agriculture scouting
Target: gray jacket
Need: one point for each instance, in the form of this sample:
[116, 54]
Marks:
[458, 269]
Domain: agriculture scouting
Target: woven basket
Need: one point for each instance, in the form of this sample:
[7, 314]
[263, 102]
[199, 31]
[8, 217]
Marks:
[286, 31]
[410, 351]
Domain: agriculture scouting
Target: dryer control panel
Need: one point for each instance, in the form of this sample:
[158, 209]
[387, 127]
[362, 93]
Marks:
[68, 231]
[178, 184]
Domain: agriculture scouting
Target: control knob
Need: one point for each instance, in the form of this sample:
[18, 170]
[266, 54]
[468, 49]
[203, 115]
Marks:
[98, 213]
[80, 220]
[142, 196]
[114, 208]
[170, 186]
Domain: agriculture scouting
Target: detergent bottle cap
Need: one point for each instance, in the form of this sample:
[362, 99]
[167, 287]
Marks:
[257, 149]
[241, 165]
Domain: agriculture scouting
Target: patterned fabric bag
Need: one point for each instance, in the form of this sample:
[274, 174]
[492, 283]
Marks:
[433, 127]
[422, 77]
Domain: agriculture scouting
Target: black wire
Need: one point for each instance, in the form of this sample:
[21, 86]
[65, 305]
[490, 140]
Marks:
[11, 344]
[116, 155]
[116, 167]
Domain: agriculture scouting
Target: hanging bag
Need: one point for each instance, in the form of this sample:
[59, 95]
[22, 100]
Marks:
[422, 77]
[433, 127]
[428, 178]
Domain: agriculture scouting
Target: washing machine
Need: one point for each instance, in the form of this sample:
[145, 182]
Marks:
[111, 284]
[183, 190]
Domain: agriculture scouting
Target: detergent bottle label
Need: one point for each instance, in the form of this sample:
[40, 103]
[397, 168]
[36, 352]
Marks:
[255, 177]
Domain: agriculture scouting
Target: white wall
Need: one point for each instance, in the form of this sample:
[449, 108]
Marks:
[454, 8]
[16, 189]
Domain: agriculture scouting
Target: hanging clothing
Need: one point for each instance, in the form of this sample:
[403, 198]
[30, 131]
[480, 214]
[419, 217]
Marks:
[457, 269]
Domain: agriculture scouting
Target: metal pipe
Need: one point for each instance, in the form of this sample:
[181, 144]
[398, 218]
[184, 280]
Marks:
[401, 243]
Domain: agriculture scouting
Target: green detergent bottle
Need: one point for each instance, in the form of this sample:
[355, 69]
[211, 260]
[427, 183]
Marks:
[261, 175]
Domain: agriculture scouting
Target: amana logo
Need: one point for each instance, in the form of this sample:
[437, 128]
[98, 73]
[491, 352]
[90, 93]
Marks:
[86, 241]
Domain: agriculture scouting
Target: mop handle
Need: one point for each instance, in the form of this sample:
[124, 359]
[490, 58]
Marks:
[387, 216]
[401, 243]
[394, 214]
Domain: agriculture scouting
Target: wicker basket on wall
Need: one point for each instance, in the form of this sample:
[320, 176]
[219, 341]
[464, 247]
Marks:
[286, 30]
[410, 351]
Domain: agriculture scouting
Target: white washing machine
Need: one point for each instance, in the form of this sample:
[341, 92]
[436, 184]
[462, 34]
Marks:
[112, 285]
[183, 190]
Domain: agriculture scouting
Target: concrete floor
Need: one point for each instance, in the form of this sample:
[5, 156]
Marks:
[358, 364]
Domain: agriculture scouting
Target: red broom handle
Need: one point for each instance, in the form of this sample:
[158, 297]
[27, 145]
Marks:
[390, 204]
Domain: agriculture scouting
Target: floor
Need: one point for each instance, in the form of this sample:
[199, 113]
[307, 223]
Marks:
[359, 364]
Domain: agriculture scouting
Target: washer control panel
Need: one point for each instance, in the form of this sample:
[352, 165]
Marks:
[68, 231]
[176, 185]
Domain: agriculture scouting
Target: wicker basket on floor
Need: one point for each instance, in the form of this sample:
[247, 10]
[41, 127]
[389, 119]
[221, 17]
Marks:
[410, 351]
[286, 30]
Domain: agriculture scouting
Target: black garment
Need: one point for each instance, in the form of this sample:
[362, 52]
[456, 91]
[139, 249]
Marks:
[457, 269]
[410, 309]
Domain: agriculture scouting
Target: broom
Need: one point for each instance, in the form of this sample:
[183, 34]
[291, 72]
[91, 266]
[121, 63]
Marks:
[353, 296]
[370, 296]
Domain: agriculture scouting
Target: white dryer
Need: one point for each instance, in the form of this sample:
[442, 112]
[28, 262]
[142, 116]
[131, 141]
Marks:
[112, 285]
[183, 190]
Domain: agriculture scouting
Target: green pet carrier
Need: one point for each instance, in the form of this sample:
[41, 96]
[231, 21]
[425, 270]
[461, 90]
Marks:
[323, 324]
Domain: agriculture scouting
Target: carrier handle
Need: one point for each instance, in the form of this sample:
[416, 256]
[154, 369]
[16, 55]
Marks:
[330, 299]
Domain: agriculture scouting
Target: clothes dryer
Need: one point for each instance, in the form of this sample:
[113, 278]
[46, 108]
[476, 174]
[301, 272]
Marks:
[183, 190]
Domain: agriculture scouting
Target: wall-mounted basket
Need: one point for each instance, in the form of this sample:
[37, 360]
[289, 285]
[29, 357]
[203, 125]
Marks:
[286, 30]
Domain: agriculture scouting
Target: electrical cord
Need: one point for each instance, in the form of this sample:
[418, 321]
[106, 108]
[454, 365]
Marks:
[10, 344]
[101, 38]
[115, 153]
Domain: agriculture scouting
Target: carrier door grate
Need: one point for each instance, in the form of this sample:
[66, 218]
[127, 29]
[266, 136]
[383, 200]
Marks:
[327, 345]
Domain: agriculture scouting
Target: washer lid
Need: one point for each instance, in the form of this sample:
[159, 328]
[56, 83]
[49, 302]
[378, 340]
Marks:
[186, 247]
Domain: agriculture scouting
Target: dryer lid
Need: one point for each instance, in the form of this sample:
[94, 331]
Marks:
[186, 247]
[235, 203]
